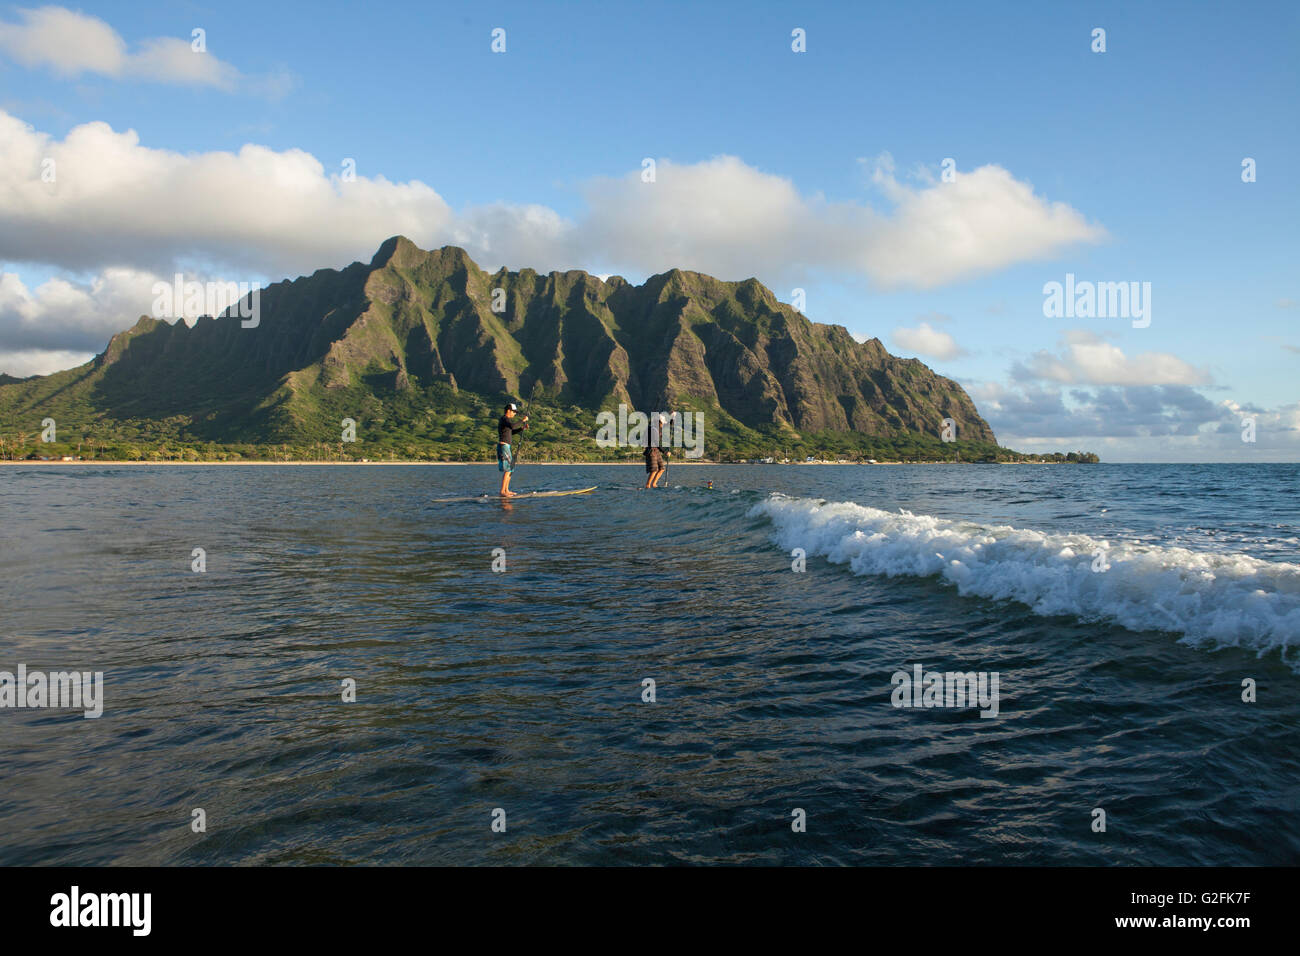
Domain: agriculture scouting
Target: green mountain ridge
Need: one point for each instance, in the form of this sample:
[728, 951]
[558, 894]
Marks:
[420, 348]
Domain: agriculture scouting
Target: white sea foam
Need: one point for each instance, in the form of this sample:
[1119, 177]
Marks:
[1216, 598]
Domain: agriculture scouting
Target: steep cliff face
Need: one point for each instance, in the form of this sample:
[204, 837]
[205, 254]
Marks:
[569, 337]
[412, 318]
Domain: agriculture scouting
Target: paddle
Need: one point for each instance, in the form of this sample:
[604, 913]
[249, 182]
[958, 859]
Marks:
[519, 447]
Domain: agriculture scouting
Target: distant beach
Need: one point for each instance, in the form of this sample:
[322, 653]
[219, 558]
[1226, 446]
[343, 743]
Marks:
[637, 463]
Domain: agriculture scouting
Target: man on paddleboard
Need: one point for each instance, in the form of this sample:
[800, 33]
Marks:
[506, 430]
[656, 452]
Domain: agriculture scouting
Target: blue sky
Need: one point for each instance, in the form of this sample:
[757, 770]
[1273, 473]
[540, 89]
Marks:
[820, 170]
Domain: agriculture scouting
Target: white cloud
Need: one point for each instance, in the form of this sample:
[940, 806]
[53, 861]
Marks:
[719, 216]
[733, 221]
[71, 44]
[982, 221]
[63, 315]
[1135, 423]
[25, 362]
[118, 202]
[173, 60]
[1089, 360]
[929, 341]
[68, 43]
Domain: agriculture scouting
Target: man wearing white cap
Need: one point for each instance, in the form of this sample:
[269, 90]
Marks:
[505, 437]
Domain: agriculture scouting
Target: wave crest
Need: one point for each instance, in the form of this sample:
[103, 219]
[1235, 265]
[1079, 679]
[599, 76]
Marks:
[1219, 598]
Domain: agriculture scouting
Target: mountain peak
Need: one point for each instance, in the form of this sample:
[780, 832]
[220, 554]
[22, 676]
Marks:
[397, 250]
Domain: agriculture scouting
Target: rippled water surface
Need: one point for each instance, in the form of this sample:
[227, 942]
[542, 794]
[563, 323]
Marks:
[522, 690]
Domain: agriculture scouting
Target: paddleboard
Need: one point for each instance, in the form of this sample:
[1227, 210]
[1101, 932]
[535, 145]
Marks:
[521, 495]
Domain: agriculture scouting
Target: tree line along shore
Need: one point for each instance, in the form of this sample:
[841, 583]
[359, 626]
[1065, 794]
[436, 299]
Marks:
[555, 453]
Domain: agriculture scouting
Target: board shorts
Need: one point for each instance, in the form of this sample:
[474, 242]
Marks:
[654, 461]
[505, 460]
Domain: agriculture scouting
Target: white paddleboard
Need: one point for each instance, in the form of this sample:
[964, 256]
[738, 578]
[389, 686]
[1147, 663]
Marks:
[518, 497]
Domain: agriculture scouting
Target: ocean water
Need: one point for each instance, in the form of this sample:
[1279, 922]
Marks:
[1119, 689]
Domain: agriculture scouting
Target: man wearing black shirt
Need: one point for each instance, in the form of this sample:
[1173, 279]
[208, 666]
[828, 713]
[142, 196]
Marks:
[506, 431]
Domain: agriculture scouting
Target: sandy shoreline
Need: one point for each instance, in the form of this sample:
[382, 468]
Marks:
[572, 464]
[634, 463]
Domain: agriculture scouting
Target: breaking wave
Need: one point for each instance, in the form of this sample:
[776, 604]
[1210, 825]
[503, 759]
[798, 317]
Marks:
[1222, 599]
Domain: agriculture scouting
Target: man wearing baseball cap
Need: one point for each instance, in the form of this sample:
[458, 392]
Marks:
[505, 437]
